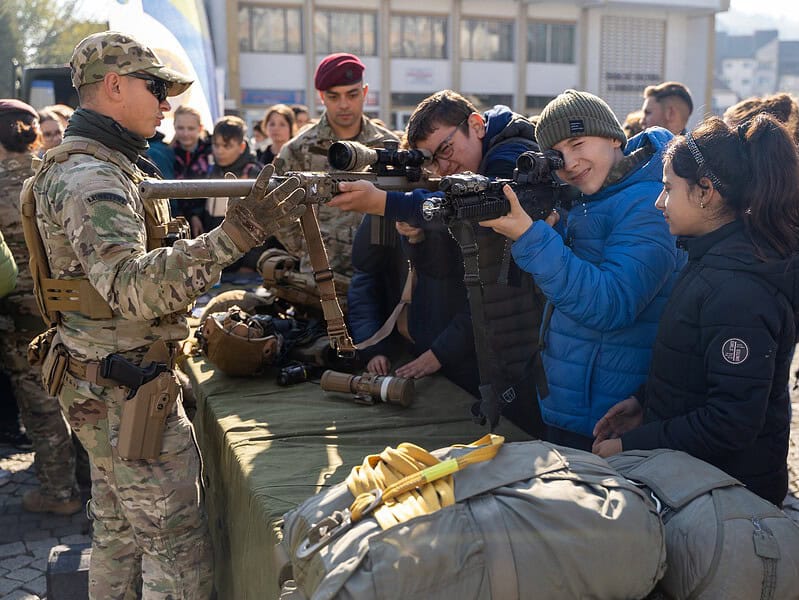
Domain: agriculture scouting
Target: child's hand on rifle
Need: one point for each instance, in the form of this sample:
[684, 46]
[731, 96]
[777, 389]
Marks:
[360, 196]
[517, 221]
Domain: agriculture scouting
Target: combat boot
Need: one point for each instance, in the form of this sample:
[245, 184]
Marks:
[34, 501]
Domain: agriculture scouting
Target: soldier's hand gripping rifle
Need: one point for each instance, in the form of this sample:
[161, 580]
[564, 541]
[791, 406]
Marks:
[388, 168]
[472, 197]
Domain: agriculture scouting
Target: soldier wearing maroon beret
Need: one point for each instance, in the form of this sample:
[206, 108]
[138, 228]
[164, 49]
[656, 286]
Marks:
[340, 84]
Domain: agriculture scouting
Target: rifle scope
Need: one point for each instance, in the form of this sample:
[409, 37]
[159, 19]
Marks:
[353, 156]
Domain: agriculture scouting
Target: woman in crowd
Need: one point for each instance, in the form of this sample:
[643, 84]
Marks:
[718, 383]
[52, 129]
[278, 125]
[192, 146]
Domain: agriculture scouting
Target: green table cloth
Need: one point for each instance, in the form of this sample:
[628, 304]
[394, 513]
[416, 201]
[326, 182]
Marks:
[266, 448]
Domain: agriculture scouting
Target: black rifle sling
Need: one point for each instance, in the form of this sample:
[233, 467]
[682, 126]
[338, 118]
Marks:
[323, 276]
[489, 366]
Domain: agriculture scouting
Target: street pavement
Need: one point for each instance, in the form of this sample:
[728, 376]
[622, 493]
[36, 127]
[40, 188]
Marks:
[26, 539]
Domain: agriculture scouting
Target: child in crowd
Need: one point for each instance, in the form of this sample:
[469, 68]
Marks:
[232, 154]
[607, 275]
[192, 147]
[718, 384]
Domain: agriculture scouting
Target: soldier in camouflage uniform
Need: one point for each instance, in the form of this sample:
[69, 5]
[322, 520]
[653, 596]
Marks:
[150, 536]
[20, 322]
[339, 79]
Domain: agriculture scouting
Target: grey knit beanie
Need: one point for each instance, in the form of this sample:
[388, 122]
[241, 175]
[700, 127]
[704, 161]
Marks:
[574, 114]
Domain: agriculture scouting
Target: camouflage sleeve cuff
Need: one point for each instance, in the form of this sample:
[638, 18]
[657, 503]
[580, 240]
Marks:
[223, 247]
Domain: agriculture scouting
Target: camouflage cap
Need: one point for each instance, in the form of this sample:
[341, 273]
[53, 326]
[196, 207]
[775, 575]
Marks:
[116, 52]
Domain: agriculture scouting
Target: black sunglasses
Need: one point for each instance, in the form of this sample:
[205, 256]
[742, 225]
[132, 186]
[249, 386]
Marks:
[157, 87]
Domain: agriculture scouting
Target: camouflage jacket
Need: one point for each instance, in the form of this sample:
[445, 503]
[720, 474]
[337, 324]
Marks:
[308, 152]
[13, 171]
[91, 220]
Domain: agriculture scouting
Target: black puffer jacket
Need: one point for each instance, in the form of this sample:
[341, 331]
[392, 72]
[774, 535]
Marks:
[718, 384]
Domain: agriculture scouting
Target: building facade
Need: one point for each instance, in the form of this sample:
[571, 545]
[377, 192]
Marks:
[516, 52]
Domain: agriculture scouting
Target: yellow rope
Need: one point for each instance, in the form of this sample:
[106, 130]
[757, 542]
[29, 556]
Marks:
[413, 482]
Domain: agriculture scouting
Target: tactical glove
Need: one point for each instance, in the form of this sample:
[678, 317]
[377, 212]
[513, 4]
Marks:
[250, 220]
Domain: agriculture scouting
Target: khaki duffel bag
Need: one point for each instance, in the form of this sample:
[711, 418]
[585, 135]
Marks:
[722, 541]
[536, 521]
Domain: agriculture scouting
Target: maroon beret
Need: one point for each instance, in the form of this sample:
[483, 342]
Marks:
[14, 105]
[338, 69]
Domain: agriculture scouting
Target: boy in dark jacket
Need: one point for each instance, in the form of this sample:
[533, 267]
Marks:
[461, 139]
[232, 154]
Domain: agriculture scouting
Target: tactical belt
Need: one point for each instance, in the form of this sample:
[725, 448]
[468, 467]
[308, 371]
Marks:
[89, 370]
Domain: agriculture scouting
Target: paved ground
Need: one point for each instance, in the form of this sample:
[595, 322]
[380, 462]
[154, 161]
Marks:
[26, 539]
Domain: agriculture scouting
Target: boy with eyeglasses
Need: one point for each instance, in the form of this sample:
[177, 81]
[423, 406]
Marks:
[460, 139]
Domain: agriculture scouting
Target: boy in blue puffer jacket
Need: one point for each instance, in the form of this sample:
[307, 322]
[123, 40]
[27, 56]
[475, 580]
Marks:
[609, 273]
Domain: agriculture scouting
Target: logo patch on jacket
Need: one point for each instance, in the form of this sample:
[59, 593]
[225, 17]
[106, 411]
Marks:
[576, 126]
[734, 351]
[106, 197]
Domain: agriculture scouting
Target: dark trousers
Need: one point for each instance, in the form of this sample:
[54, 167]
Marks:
[563, 437]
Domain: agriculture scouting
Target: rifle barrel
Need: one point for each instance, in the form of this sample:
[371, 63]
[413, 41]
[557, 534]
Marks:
[194, 188]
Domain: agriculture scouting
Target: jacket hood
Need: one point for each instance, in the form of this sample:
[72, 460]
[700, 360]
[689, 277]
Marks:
[502, 123]
[654, 140]
[731, 248]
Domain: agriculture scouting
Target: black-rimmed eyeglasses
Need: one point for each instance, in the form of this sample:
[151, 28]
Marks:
[446, 148]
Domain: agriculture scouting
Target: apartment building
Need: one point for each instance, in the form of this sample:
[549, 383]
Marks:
[516, 52]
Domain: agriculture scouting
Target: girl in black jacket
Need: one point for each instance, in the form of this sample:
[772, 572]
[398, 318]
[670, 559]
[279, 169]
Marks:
[718, 383]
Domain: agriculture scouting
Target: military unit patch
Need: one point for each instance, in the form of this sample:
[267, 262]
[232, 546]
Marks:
[106, 197]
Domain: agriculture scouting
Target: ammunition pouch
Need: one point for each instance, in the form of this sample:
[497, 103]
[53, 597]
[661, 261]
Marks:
[40, 346]
[48, 349]
[239, 344]
[143, 419]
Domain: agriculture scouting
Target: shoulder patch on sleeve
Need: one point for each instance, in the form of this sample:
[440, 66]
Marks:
[106, 197]
[735, 351]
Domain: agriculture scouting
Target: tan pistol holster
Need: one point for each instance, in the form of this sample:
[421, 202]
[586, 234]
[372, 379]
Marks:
[54, 296]
[143, 419]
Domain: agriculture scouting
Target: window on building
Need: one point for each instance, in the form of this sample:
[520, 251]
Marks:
[486, 40]
[418, 36]
[340, 31]
[535, 104]
[550, 42]
[268, 29]
[486, 101]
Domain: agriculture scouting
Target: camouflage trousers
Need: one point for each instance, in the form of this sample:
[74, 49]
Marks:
[149, 530]
[54, 458]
